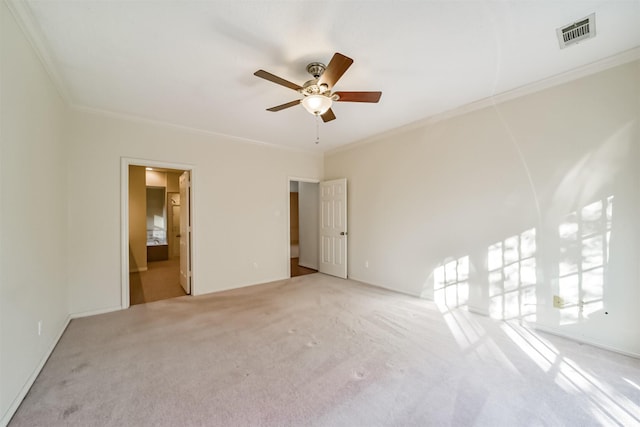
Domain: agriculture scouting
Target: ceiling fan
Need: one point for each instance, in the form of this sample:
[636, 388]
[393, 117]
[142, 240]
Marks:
[317, 96]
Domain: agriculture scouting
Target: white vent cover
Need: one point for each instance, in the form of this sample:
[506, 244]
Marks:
[573, 33]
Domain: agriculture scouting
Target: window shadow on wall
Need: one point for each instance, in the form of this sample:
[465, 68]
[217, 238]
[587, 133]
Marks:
[584, 238]
[510, 275]
[511, 265]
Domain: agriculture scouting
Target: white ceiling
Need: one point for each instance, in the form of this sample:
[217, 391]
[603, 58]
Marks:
[191, 63]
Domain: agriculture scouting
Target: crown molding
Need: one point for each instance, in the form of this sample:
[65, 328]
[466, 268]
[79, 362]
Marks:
[24, 16]
[621, 58]
[197, 131]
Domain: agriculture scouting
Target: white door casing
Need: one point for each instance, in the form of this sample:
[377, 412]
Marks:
[333, 228]
[185, 232]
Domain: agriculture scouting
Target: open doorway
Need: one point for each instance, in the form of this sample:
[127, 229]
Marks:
[303, 227]
[157, 231]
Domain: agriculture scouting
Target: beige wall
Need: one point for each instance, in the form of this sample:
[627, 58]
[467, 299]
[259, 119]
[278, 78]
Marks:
[137, 219]
[33, 215]
[240, 204]
[156, 178]
[173, 182]
[421, 199]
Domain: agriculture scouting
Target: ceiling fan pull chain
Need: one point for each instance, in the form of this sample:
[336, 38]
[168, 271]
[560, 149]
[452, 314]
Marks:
[317, 128]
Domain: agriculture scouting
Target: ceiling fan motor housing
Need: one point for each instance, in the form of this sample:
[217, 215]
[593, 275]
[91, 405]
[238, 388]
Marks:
[312, 87]
[316, 69]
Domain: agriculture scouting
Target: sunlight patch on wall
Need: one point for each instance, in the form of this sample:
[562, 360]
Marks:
[584, 255]
[512, 277]
[450, 283]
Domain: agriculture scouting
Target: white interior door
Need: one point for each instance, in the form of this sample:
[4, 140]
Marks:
[333, 228]
[175, 231]
[185, 232]
[174, 225]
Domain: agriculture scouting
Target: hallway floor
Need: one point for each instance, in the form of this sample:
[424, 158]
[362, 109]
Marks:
[298, 270]
[160, 281]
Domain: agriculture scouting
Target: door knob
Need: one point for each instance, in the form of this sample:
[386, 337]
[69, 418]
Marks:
[343, 233]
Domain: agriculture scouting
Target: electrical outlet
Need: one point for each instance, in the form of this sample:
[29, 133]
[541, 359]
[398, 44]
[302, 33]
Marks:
[39, 327]
[558, 302]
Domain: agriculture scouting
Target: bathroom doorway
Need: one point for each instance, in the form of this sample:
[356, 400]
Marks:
[159, 231]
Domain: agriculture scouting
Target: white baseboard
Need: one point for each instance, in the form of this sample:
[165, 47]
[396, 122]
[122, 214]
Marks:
[478, 310]
[388, 288]
[536, 326]
[32, 378]
[94, 312]
[244, 285]
[557, 332]
[25, 389]
[304, 264]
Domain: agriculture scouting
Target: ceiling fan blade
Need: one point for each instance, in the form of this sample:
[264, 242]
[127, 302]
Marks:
[328, 116]
[358, 96]
[275, 79]
[283, 106]
[336, 68]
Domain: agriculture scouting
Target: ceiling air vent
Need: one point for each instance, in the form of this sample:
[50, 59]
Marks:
[580, 30]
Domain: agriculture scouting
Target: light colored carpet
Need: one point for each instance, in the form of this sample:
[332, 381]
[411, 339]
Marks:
[320, 351]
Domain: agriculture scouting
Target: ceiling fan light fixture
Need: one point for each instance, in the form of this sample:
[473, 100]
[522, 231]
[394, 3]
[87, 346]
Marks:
[316, 93]
[317, 104]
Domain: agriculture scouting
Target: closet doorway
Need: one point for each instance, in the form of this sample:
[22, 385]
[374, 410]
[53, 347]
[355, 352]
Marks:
[303, 227]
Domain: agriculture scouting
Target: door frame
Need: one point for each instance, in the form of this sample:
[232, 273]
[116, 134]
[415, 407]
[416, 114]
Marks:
[125, 162]
[289, 180]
